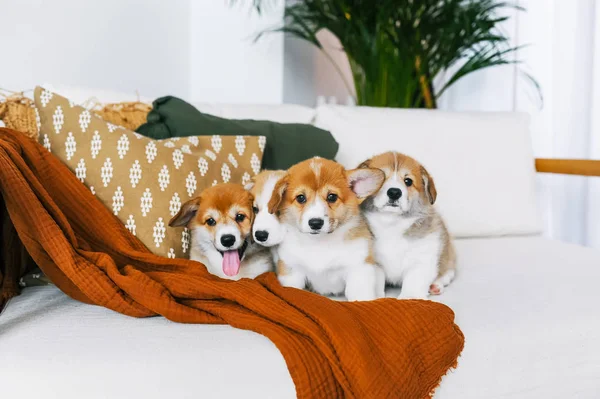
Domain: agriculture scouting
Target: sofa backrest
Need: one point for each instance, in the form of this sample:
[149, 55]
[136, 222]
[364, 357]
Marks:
[482, 163]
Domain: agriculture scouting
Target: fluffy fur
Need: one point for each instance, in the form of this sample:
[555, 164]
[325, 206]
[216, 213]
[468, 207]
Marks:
[220, 221]
[412, 243]
[328, 245]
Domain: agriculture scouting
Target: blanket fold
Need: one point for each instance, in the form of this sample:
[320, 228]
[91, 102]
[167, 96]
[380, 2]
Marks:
[379, 349]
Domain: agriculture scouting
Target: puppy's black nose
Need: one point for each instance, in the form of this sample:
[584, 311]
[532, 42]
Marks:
[394, 193]
[261, 235]
[316, 223]
[227, 240]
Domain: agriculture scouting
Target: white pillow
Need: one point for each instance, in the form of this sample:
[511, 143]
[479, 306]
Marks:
[81, 95]
[281, 113]
[482, 163]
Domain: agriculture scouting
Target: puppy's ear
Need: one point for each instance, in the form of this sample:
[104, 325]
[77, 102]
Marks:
[428, 186]
[186, 213]
[278, 194]
[251, 207]
[365, 182]
[365, 164]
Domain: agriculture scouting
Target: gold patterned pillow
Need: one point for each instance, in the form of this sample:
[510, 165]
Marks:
[143, 181]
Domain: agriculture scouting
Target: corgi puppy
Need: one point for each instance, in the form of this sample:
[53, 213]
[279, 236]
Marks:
[328, 245]
[412, 243]
[220, 222]
[266, 229]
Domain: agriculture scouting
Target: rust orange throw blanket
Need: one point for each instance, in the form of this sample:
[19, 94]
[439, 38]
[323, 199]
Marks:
[380, 349]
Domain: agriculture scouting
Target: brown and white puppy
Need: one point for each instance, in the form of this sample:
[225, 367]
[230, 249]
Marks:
[220, 221]
[412, 243]
[266, 229]
[328, 245]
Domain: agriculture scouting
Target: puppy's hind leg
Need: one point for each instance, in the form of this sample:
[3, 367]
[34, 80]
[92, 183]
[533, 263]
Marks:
[416, 282]
[437, 287]
[447, 267]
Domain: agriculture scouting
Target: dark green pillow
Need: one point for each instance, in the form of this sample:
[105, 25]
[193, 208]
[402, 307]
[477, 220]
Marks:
[287, 143]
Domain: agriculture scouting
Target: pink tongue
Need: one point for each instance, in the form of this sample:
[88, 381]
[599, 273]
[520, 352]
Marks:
[231, 263]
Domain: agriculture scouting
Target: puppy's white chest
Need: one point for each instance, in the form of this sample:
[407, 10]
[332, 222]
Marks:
[391, 250]
[396, 252]
[323, 259]
[319, 253]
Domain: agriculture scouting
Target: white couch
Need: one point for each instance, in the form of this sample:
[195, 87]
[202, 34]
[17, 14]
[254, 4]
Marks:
[528, 306]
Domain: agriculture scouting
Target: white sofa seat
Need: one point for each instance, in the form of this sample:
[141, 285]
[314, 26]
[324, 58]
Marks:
[527, 307]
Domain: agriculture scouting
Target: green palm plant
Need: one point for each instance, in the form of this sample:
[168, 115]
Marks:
[396, 48]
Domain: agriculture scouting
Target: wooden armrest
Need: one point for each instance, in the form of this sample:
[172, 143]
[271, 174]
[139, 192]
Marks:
[580, 167]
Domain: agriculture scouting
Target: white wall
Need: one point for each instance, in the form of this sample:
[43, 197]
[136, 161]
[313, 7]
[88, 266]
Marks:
[200, 50]
[227, 66]
[124, 45]
[593, 195]
[309, 73]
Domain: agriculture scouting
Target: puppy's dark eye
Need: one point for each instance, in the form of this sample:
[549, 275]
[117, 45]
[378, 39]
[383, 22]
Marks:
[331, 198]
[211, 222]
[255, 209]
[408, 181]
[301, 199]
[240, 217]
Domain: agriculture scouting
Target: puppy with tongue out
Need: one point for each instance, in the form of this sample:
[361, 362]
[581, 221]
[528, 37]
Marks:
[220, 221]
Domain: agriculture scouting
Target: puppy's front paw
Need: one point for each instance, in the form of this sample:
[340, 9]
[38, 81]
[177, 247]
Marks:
[436, 289]
[292, 280]
[364, 283]
[409, 295]
[361, 296]
[380, 284]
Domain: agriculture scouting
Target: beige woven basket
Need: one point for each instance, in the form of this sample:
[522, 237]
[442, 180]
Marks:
[130, 115]
[18, 113]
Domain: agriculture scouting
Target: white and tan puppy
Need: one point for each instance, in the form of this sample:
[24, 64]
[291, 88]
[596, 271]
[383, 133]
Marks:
[220, 221]
[412, 243]
[328, 245]
[266, 229]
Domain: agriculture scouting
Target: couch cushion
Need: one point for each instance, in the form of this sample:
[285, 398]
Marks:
[482, 163]
[530, 324]
[528, 307]
[85, 351]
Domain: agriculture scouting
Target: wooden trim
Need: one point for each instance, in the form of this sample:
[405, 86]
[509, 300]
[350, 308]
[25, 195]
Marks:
[581, 167]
